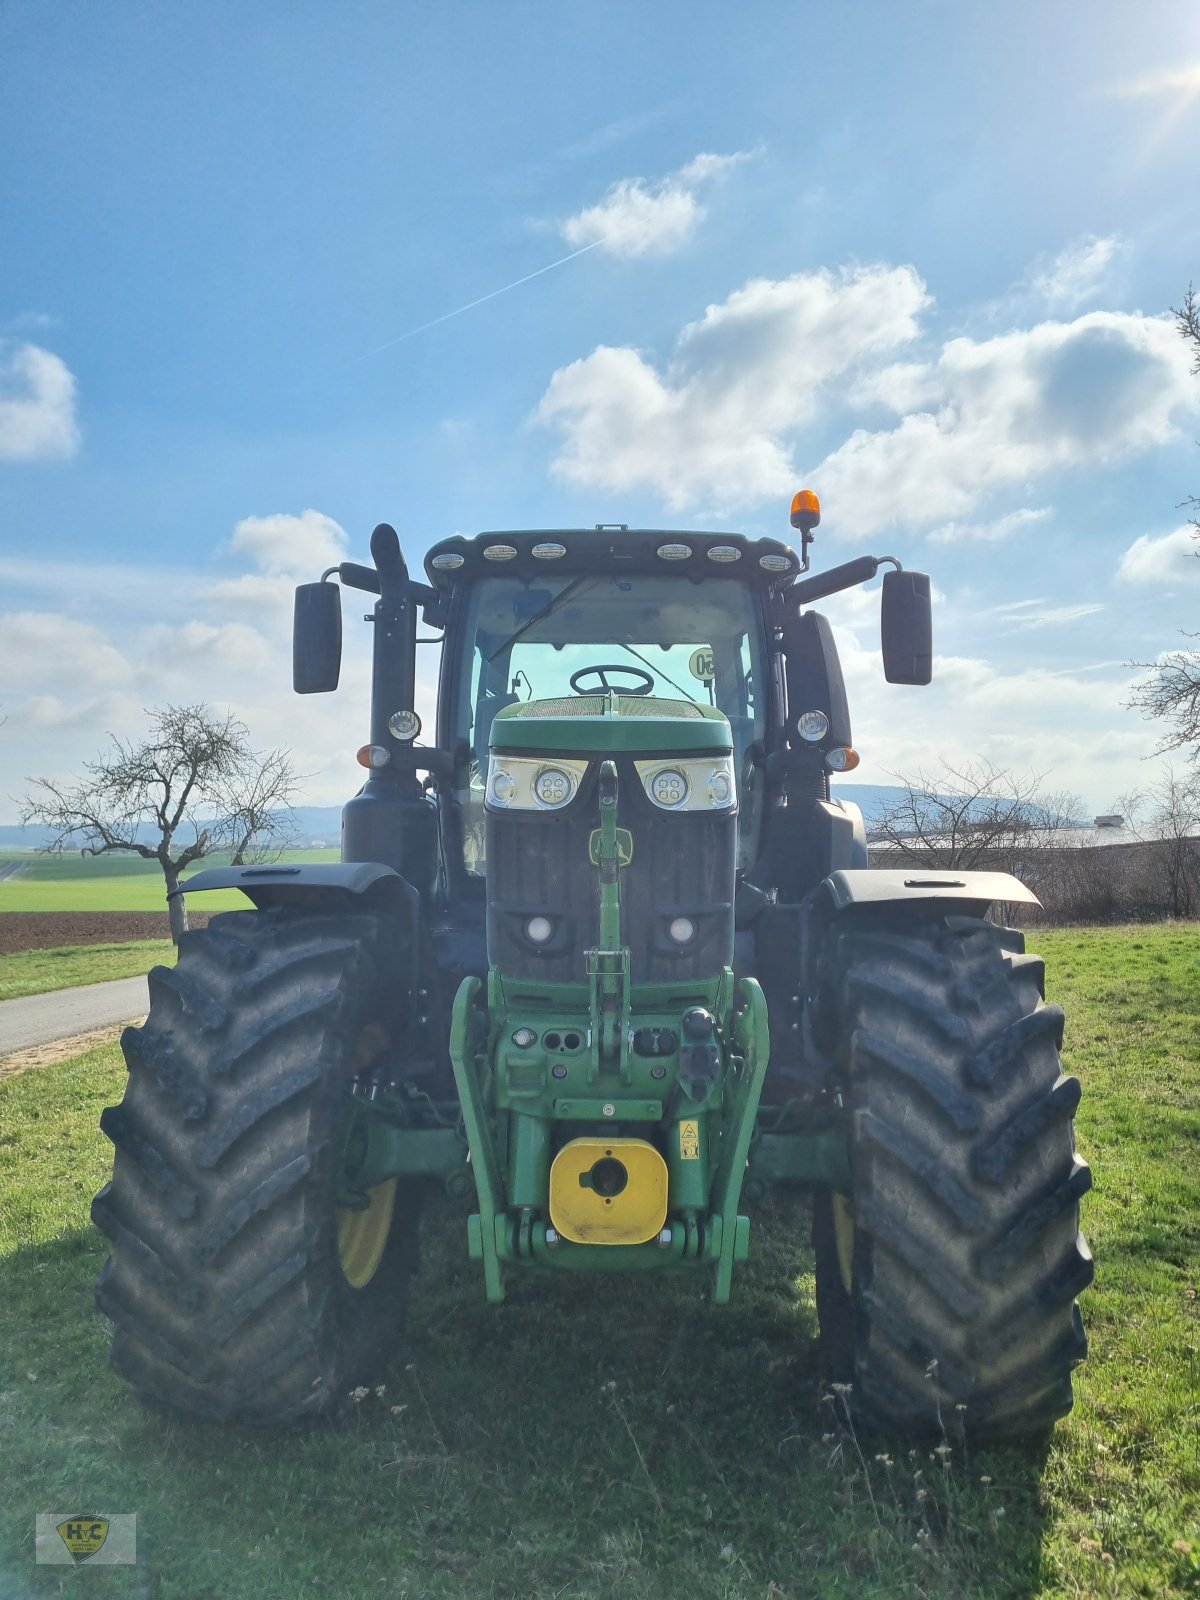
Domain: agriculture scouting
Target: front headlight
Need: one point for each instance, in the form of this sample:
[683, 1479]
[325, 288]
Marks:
[515, 783]
[692, 785]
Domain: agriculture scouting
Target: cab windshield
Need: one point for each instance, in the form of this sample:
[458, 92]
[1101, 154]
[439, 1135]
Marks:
[635, 633]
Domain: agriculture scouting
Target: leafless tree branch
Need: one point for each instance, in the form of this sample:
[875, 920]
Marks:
[190, 786]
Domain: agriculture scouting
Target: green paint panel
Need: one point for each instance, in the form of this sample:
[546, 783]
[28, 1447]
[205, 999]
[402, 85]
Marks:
[611, 725]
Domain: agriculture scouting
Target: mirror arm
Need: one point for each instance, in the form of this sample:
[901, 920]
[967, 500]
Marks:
[847, 576]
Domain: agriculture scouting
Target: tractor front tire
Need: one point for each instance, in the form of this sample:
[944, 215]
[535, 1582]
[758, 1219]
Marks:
[946, 1281]
[231, 1295]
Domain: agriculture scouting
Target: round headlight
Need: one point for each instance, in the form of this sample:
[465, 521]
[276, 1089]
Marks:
[683, 930]
[674, 552]
[720, 790]
[500, 552]
[447, 563]
[538, 929]
[669, 787]
[812, 725]
[552, 787]
[504, 786]
[404, 725]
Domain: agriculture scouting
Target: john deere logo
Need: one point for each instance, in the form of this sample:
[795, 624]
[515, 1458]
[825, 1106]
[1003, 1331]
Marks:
[83, 1536]
[624, 847]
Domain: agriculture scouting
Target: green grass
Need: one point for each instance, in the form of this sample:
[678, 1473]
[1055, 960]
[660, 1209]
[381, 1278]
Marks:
[111, 883]
[37, 971]
[613, 1438]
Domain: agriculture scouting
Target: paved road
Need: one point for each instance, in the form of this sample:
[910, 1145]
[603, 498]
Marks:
[42, 1018]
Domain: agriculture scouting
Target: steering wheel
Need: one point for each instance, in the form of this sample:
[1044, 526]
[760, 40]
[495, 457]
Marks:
[645, 679]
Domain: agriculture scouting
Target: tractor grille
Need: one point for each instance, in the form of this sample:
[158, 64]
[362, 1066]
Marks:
[538, 865]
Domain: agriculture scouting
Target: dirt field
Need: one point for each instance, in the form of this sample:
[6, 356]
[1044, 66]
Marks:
[54, 930]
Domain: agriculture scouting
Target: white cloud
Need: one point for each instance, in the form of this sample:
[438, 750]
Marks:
[291, 545]
[1005, 527]
[1074, 275]
[71, 679]
[1054, 617]
[44, 649]
[713, 423]
[37, 405]
[1005, 410]
[638, 218]
[717, 422]
[1171, 559]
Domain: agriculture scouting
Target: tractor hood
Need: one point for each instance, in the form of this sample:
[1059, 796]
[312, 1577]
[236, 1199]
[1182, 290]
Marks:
[611, 723]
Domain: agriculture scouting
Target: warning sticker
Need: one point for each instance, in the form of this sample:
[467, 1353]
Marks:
[689, 1141]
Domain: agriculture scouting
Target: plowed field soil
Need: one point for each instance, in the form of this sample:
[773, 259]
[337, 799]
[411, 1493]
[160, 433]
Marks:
[54, 930]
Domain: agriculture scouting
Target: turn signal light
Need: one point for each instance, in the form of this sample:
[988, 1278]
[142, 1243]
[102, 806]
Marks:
[842, 760]
[373, 755]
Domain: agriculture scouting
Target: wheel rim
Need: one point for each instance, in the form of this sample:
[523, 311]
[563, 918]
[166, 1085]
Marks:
[843, 1238]
[363, 1235]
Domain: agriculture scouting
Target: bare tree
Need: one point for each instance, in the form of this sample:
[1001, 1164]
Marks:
[1170, 693]
[974, 814]
[190, 786]
[1166, 817]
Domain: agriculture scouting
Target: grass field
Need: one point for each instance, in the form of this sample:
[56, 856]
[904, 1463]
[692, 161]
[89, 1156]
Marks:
[603, 1438]
[109, 883]
[37, 971]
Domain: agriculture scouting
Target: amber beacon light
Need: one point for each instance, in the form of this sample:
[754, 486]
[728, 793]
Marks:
[806, 510]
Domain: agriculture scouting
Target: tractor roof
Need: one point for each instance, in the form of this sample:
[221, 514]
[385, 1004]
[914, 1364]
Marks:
[608, 548]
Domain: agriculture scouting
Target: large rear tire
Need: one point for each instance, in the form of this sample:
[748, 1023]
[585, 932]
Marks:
[230, 1292]
[946, 1282]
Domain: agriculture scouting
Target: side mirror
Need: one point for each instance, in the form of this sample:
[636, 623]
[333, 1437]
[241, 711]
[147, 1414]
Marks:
[316, 638]
[906, 628]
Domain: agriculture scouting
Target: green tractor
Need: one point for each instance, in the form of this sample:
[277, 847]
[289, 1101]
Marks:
[607, 959]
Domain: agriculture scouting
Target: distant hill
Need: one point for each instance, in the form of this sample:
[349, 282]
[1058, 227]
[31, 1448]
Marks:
[324, 823]
[312, 823]
[871, 798]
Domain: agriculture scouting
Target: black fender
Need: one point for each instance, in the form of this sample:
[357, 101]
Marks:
[304, 883]
[862, 890]
[328, 885]
[897, 885]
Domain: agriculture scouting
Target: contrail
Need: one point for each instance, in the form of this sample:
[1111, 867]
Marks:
[471, 304]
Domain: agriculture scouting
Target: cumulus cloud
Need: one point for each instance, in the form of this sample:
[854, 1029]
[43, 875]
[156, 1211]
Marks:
[290, 544]
[1008, 409]
[44, 649]
[641, 218]
[81, 663]
[1074, 275]
[1171, 559]
[714, 421]
[37, 405]
[286, 550]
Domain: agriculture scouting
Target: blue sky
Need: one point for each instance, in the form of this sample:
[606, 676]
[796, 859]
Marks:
[919, 258]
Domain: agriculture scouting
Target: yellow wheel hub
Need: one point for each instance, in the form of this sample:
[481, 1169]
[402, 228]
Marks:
[843, 1237]
[362, 1235]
